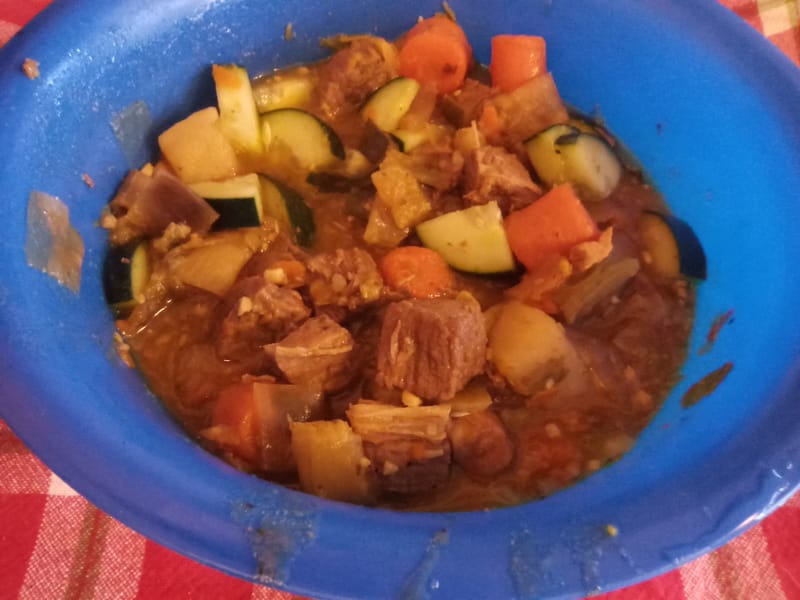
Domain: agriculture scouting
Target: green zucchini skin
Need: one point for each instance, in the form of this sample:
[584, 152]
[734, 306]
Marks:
[387, 105]
[236, 200]
[299, 215]
[692, 256]
[312, 141]
[126, 270]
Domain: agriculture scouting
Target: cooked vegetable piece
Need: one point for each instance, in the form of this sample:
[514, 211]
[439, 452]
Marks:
[290, 89]
[387, 105]
[310, 140]
[400, 192]
[212, 264]
[381, 229]
[481, 444]
[551, 225]
[126, 270]
[472, 239]
[529, 347]
[197, 149]
[237, 201]
[331, 462]
[419, 272]
[436, 51]
[473, 398]
[238, 116]
[516, 59]
[408, 139]
[251, 420]
[601, 282]
[671, 246]
[563, 154]
[545, 154]
[290, 210]
[512, 117]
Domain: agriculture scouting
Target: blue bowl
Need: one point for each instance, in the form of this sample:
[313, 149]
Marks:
[708, 106]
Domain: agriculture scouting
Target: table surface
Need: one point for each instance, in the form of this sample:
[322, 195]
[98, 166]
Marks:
[55, 544]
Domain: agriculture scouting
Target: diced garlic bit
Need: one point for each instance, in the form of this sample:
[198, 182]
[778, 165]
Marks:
[647, 258]
[276, 276]
[338, 282]
[31, 68]
[410, 399]
[389, 468]
[552, 430]
[370, 291]
[245, 306]
[612, 530]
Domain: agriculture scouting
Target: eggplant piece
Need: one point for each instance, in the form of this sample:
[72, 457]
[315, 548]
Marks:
[672, 246]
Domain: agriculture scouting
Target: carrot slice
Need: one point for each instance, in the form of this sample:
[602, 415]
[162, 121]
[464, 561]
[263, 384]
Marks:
[417, 271]
[436, 51]
[516, 59]
[551, 225]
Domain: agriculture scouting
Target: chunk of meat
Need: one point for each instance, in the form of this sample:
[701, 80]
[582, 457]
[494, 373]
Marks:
[431, 347]
[492, 173]
[346, 279]
[464, 105]
[408, 446]
[257, 312]
[146, 204]
[317, 353]
[512, 117]
[354, 72]
[481, 445]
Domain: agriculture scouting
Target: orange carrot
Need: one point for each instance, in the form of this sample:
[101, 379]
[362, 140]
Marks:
[516, 59]
[551, 225]
[235, 410]
[419, 272]
[436, 51]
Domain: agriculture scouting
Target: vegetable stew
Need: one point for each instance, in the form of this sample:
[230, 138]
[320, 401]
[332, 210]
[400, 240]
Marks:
[400, 278]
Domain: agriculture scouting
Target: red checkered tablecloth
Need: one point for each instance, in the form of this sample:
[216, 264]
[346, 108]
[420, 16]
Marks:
[55, 544]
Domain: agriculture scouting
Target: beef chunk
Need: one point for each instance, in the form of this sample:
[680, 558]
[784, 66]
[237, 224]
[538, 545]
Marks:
[492, 173]
[407, 446]
[464, 105]
[146, 204]
[431, 347]
[257, 312]
[528, 109]
[318, 353]
[354, 72]
[346, 279]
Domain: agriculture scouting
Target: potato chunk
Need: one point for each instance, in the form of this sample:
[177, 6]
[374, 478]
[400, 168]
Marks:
[197, 149]
[330, 461]
[528, 347]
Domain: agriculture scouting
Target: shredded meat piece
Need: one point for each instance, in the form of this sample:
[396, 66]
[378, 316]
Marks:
[146, 205]
[492, 173]
[431, 348]
[257, 312]
[346, 279]
[318, 353]
[354, 72]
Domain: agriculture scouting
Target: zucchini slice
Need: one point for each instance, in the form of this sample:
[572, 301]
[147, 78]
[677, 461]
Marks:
[290, 210]
[312, 142]
[471, 240]
[291, 89]
[126, 270]
[672, 246]
[238, 117]
[237, 200]
[564, 154]
[390, 102]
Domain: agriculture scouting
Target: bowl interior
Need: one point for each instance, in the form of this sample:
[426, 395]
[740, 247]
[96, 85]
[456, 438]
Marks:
[705, 104]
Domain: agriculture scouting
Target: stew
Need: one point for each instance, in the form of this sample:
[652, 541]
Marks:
[400, 278]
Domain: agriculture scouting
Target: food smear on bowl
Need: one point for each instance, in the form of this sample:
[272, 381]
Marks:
[386, 280]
